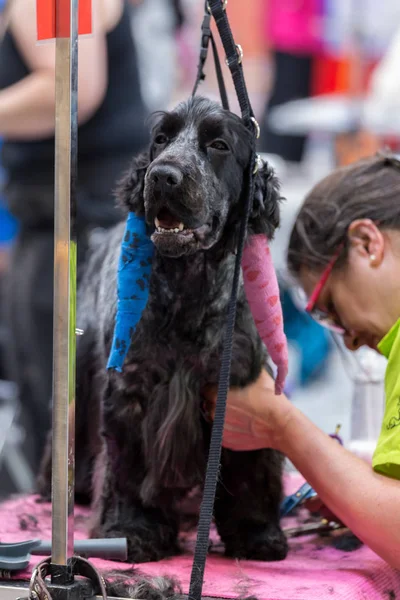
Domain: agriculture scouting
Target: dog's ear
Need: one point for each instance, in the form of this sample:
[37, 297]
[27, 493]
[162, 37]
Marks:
[265, 214]
[129, 191]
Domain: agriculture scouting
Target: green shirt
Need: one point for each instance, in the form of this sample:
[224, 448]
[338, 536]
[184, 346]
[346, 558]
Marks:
[386, 459]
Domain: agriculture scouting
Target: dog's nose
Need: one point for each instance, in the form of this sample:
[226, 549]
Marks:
[166, 176]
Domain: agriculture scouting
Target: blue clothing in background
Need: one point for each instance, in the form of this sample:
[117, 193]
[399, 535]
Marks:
[312, 340]
[8, 224]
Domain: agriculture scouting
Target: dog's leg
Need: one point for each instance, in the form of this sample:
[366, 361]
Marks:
[247, 505]
[152, 534]
[151, 528]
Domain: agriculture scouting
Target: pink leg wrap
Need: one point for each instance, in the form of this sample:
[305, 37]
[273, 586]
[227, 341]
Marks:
[262, 291]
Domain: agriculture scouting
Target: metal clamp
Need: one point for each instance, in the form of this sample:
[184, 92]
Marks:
[40, 589]
[256, 126]
[224, 5]
[292, 501]
[240, 54]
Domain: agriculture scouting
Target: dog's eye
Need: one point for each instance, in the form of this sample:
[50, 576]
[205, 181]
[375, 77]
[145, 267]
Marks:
[160, 139]
[219, 145]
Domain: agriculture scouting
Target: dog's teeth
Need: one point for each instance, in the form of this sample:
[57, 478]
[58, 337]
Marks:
[157, 223]
[175, 230]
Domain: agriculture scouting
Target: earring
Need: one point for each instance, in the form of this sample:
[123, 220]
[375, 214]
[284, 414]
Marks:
[372, 257]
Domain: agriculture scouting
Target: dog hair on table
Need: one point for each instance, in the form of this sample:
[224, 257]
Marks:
[141, 435]
[133, 584]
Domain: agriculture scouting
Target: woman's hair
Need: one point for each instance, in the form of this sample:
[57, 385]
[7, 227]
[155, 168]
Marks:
[368, 189]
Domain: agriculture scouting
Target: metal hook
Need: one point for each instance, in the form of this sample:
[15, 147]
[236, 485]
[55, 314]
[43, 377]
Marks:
[257, 127]
[224, 5]
[240, 53]
[239, 50]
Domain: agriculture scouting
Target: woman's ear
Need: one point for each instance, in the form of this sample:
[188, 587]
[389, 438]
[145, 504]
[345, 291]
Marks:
[367, 240]
[129, 191]
[265, 214]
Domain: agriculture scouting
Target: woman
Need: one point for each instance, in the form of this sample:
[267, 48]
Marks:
[344, 251]
[111, 118]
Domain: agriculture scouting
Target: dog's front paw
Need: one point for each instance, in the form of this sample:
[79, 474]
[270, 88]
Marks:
[141, 550]
[266, 544]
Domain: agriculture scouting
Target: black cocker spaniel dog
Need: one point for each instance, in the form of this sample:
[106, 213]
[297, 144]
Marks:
[141, 435]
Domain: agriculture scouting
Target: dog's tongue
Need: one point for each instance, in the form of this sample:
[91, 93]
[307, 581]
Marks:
[262, 292]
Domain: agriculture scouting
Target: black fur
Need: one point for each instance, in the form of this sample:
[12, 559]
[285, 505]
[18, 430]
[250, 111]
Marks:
[138, 586]
[155, 438]
[133, 584]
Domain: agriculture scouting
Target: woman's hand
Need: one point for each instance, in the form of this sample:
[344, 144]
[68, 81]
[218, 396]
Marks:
[255, 416]
[363, 500]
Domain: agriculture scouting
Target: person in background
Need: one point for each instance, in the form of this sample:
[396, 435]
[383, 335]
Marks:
[159, 20]
[111, 116]
[383, 94]
[8, 231]
[293, 32]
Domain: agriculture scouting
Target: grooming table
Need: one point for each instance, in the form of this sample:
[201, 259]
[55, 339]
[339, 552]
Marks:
[313, 569]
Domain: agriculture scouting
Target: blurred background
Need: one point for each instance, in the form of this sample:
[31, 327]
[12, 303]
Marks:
[323, 79]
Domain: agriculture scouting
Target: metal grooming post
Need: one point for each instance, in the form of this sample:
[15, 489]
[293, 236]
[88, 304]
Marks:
[65, 250]
[59, 19]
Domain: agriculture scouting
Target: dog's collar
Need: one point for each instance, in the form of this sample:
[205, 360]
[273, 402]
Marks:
[133, 279]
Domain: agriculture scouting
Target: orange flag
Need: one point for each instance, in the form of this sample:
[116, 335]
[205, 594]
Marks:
[49, 28]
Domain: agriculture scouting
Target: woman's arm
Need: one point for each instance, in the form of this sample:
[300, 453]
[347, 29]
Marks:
[27, 108]
[367, 502]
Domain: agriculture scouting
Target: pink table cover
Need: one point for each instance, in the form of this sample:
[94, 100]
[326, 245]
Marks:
[313, 569]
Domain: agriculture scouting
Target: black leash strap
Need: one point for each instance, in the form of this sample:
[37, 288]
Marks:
[234, 55]
[206, 37]
[234, 58]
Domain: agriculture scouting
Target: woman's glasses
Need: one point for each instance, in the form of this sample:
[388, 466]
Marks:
[326, 317]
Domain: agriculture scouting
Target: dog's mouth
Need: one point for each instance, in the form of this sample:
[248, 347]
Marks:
[173, 237]
[165, 222]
